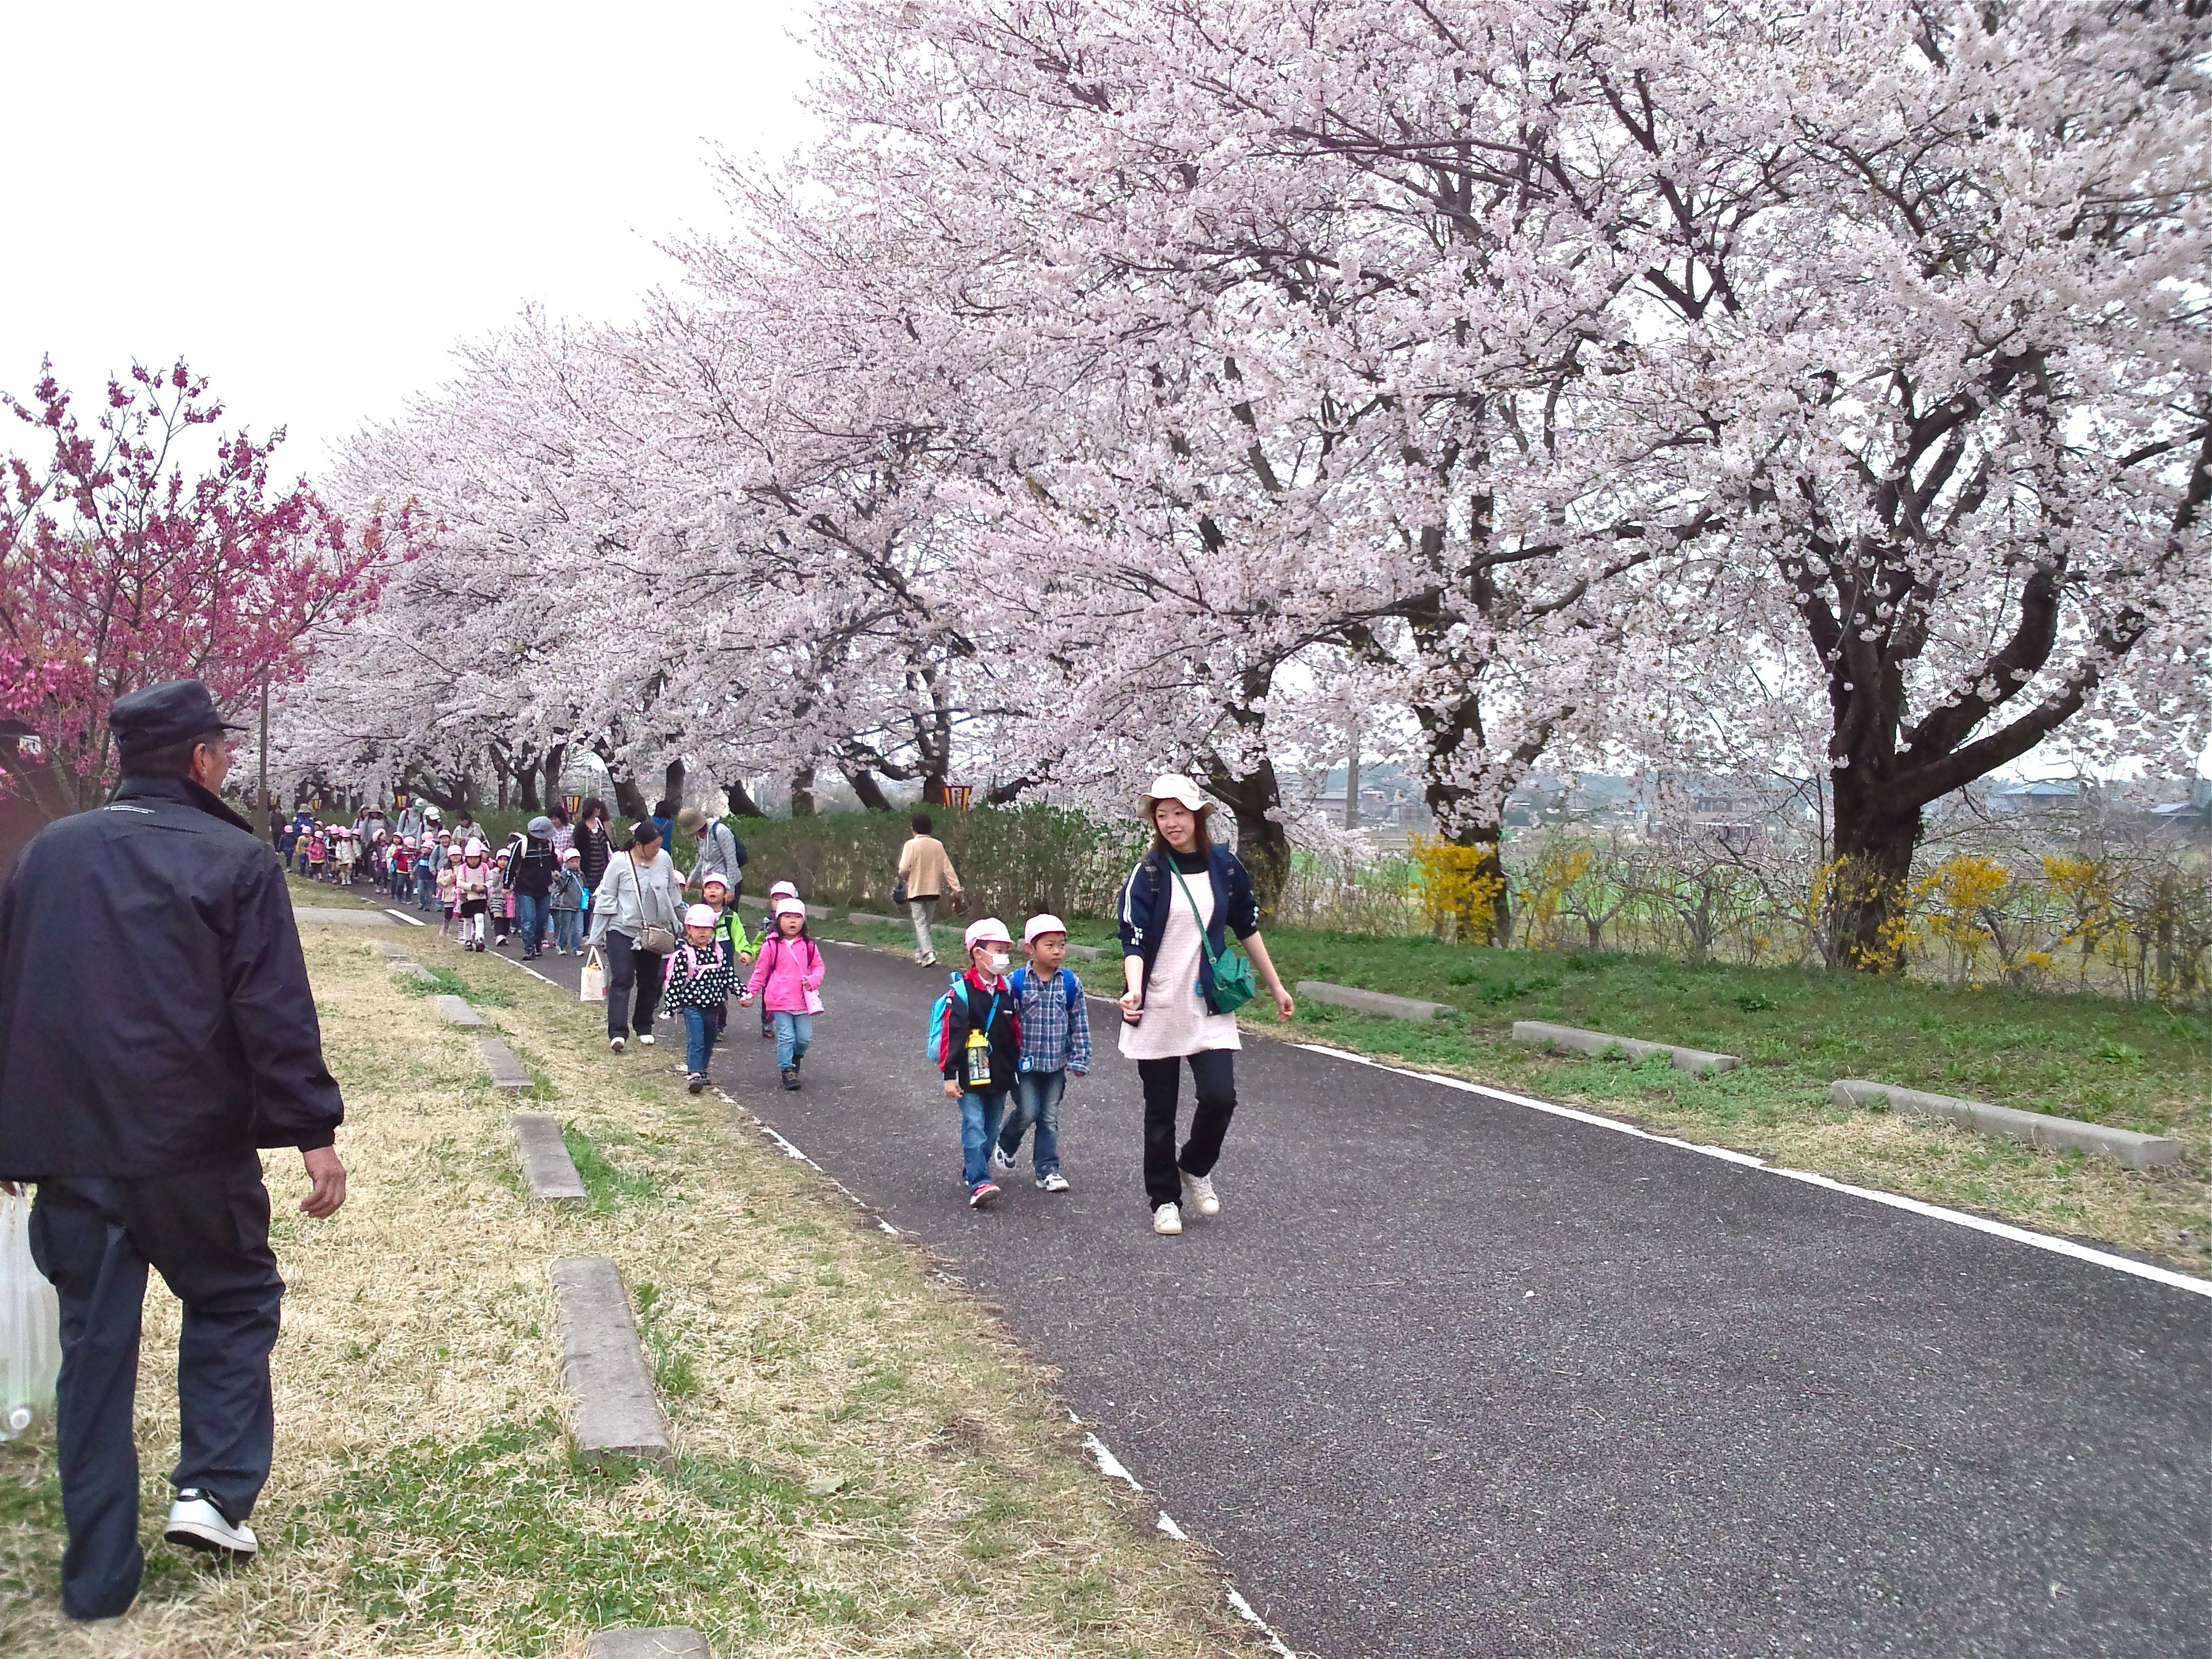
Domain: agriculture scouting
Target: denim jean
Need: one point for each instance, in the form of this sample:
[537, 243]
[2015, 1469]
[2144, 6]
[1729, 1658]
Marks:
[1037, 1100]
[530, 916]
[426, 885]
[979, 1127]
[794, 1032]
[569, 929]
[698, 1039]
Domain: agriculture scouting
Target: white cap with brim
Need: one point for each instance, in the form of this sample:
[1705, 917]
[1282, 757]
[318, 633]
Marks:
[700, 915]
[1036, 926]
[791, 907]
[988, 931]
[1173, 785]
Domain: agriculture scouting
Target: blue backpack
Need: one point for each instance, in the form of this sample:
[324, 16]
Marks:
[933, 1045]
[1071, 988]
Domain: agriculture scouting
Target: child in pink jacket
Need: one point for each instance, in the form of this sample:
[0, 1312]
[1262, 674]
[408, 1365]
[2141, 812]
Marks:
[786, 978]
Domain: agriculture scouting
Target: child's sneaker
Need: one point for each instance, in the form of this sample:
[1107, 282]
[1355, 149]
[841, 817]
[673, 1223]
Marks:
[698, 1081]
[1055, 1183]
[983, 1195]
[1002, 1160]
[1167, 1219]
[1198, 1193]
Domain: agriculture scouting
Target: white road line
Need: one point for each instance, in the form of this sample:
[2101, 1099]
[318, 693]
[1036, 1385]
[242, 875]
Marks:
[2066, 1246]
[1114, 1469]
[790, 1150]
[412, 921]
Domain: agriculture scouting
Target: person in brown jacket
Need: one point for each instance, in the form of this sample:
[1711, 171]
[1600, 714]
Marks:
[925, 875]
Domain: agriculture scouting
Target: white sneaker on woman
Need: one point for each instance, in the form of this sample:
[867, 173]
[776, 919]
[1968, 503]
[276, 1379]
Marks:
[1198, 1194]
[1167, 1219]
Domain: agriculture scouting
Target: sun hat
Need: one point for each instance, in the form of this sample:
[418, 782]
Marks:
[716, 878]
[986, 930]
[701, 915]
[691, 820]
[571, 852]
[540, 825]
[1043, 923]
[477, 848]
[454, 854]
[783, 889]
[1173, 785]
[791, 907]
[430, 813]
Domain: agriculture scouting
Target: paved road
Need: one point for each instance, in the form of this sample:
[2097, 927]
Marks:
[1450, 1377]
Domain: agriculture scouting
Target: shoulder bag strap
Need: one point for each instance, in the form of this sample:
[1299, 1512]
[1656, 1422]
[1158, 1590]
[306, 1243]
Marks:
[1204, 943]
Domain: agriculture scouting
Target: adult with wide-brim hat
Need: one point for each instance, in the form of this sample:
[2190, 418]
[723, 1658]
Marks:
[715, 848]
[1175, 915]
[136, 1090]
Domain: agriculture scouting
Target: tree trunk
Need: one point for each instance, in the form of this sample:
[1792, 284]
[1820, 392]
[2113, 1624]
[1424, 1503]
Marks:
[1262, 844]
[672, 781]
[742, 805]
[1352, 783]
[556, 759]
[628, 802]
[870, 792]
[525, 780]
[1876, 835]
[1484, 837]
[261, 789]
[802, 793]
[933, 789]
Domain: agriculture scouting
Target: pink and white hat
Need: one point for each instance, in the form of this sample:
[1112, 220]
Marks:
[783, 890]
[1045, 922]
[988, 930]
[701, 915]
[788, 906]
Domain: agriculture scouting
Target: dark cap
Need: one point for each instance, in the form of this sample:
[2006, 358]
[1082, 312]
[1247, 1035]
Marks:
[155, 716]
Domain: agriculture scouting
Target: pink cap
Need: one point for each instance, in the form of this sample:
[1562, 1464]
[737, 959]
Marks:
[700, 915]
[988, 930]
[714, 878]
[1044, 923]
[788, 906]
[783, 889]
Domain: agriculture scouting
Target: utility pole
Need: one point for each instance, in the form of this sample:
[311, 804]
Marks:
[1352, 782]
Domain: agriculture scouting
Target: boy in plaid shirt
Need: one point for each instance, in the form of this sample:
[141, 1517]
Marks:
[1055, 1046]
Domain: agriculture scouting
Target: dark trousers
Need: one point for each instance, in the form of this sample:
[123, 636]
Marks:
[206, 1232]
[1213, 1078]
[630, 972]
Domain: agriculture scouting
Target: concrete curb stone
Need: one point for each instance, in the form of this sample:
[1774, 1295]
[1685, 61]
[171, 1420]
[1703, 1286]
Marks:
[660, 1642]
[506, 1072]
[1370, 1002]
[613, 1412]
[1573, 1037]
[457, 1013]
[546, 1165]
[2125, 1146]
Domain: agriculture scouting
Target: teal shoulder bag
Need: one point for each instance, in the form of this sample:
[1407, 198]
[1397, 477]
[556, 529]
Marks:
[1233, 983]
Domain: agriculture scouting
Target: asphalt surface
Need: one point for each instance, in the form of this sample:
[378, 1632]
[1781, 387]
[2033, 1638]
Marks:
[1450, 1377]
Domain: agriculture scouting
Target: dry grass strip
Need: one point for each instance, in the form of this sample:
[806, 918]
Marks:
[866, 1466]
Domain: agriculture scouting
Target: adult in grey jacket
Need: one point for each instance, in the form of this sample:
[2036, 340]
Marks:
[156, 1027]
[636, 897]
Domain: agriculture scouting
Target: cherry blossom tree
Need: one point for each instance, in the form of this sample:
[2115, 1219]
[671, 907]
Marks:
[121, 565]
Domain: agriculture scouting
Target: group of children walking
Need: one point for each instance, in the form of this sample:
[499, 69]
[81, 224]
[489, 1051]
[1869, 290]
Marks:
[1005, 1040]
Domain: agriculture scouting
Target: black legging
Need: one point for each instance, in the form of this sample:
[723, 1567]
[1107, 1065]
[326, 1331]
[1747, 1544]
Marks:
[1214, 1078]
[628, 965]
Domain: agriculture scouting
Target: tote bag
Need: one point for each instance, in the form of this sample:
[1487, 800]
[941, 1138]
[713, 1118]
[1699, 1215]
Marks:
[30, 1324]
[592, 986]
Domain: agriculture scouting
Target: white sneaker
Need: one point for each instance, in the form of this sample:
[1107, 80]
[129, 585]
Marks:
[1167, 1219]
[646, 1038]
[1000, 1163]
[1198, 1193]
[196, 1524]
[1055, 1183]
[614, 1043]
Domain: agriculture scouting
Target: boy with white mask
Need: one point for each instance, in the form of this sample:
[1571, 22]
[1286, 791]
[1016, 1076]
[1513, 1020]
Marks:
[978, 1050]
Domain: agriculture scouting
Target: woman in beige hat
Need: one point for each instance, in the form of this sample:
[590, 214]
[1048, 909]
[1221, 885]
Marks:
[1175, 913]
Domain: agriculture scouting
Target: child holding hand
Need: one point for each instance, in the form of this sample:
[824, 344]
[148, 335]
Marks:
[696, 982]
[1056, 1023]
[788, 980]
[978, 1050]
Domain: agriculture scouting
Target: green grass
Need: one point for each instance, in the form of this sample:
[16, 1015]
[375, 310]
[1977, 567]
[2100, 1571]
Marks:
[608, 1183]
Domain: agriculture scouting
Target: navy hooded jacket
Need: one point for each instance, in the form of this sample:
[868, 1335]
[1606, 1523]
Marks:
[154, 1009]
[1141, 912]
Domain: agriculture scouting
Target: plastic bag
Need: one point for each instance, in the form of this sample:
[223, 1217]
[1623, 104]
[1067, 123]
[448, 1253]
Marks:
[593, 987]
[30, 1324]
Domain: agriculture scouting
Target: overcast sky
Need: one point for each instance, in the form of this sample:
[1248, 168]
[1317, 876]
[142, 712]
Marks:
[313, 203]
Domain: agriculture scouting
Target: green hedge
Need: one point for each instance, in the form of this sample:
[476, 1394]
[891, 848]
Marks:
[1013, 861]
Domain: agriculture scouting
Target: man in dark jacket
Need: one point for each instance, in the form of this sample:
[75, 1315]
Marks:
[531, 868]
[156, 1027]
